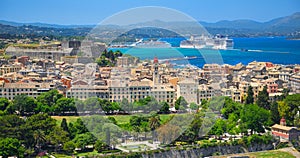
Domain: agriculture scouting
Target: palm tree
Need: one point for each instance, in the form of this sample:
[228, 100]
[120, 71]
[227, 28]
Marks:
[154, 122]
[145, 128]
[39, 138]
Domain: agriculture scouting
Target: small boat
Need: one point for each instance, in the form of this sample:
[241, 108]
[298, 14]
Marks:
[244, 50]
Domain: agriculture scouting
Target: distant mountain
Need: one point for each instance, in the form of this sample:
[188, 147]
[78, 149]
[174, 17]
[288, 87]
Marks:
[288, 21]
[36, 31]
[283, 26]
[236, 24]
[4, 22]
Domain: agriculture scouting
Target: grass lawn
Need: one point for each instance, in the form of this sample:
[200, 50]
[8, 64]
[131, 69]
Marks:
[126, 118]
[274, 154]
[93, 153]
[69, 118]
[62, 155]
[121, 119]
[264, 154]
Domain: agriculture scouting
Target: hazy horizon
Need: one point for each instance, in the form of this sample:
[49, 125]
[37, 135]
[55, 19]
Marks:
[38, 22]
[91, 12]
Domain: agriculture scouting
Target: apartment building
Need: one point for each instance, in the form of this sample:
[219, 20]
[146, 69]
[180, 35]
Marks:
[32, 89]
[162, 92]
[4, 69]
[188, 89]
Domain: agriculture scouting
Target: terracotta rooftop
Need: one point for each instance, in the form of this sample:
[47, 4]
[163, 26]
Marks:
[286, 128]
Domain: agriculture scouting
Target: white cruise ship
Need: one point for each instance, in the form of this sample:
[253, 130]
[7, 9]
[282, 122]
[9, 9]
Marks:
[199, 42]
[151, 44]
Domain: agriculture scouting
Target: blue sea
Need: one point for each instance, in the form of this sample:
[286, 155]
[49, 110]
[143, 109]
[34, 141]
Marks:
[277, 50]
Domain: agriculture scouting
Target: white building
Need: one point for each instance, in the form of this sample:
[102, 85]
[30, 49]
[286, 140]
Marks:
[163, 92]
[187, 89]
[295, 83]
[31, 89]
[205, 92]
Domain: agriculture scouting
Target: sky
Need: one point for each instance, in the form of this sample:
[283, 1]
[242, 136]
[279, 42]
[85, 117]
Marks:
[83, 12]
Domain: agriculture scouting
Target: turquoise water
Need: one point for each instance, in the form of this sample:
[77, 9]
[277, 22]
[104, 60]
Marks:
[276, 50]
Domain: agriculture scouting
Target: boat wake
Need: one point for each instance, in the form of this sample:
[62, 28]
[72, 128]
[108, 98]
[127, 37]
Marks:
[267, 51]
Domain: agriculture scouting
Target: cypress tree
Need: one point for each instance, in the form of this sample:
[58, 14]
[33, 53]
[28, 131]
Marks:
[64, 125]
[250, 94]
[263, 99]
[275, 117]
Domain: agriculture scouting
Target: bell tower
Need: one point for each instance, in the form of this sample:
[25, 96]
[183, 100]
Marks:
[156, 77]
[283, 122]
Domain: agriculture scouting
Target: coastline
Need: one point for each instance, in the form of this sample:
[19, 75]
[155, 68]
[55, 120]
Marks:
[277, 50]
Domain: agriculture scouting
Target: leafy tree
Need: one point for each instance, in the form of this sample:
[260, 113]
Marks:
[82, 140]
[11, 147]
[289, 107]
[79, 104]
[43, 108]
[151, 104]
[41, 121]
[250, 94]
[102, 61]
[232, 123]
[180, 102]
[217, 103]
[263, 99]
[125, 105]
[69, 146]
[204, 104]
[4, 102]
[110, 134]
[24, 104]
[255, 118]
[144, 101]
[284, 111]
[297, 121]
[275, 116]
[293, 101]
[115, 106]
[92, 104]
[165, 108]
[231, 107]
[194, 106]
[136, 122]
[194, 128]
[57, 136]
[100, 146]
[12, 126]
[49, 98]
[39, 125]
[77, 127]
[64, 105]
[106, 106]
[108, 58]
[219, 127]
